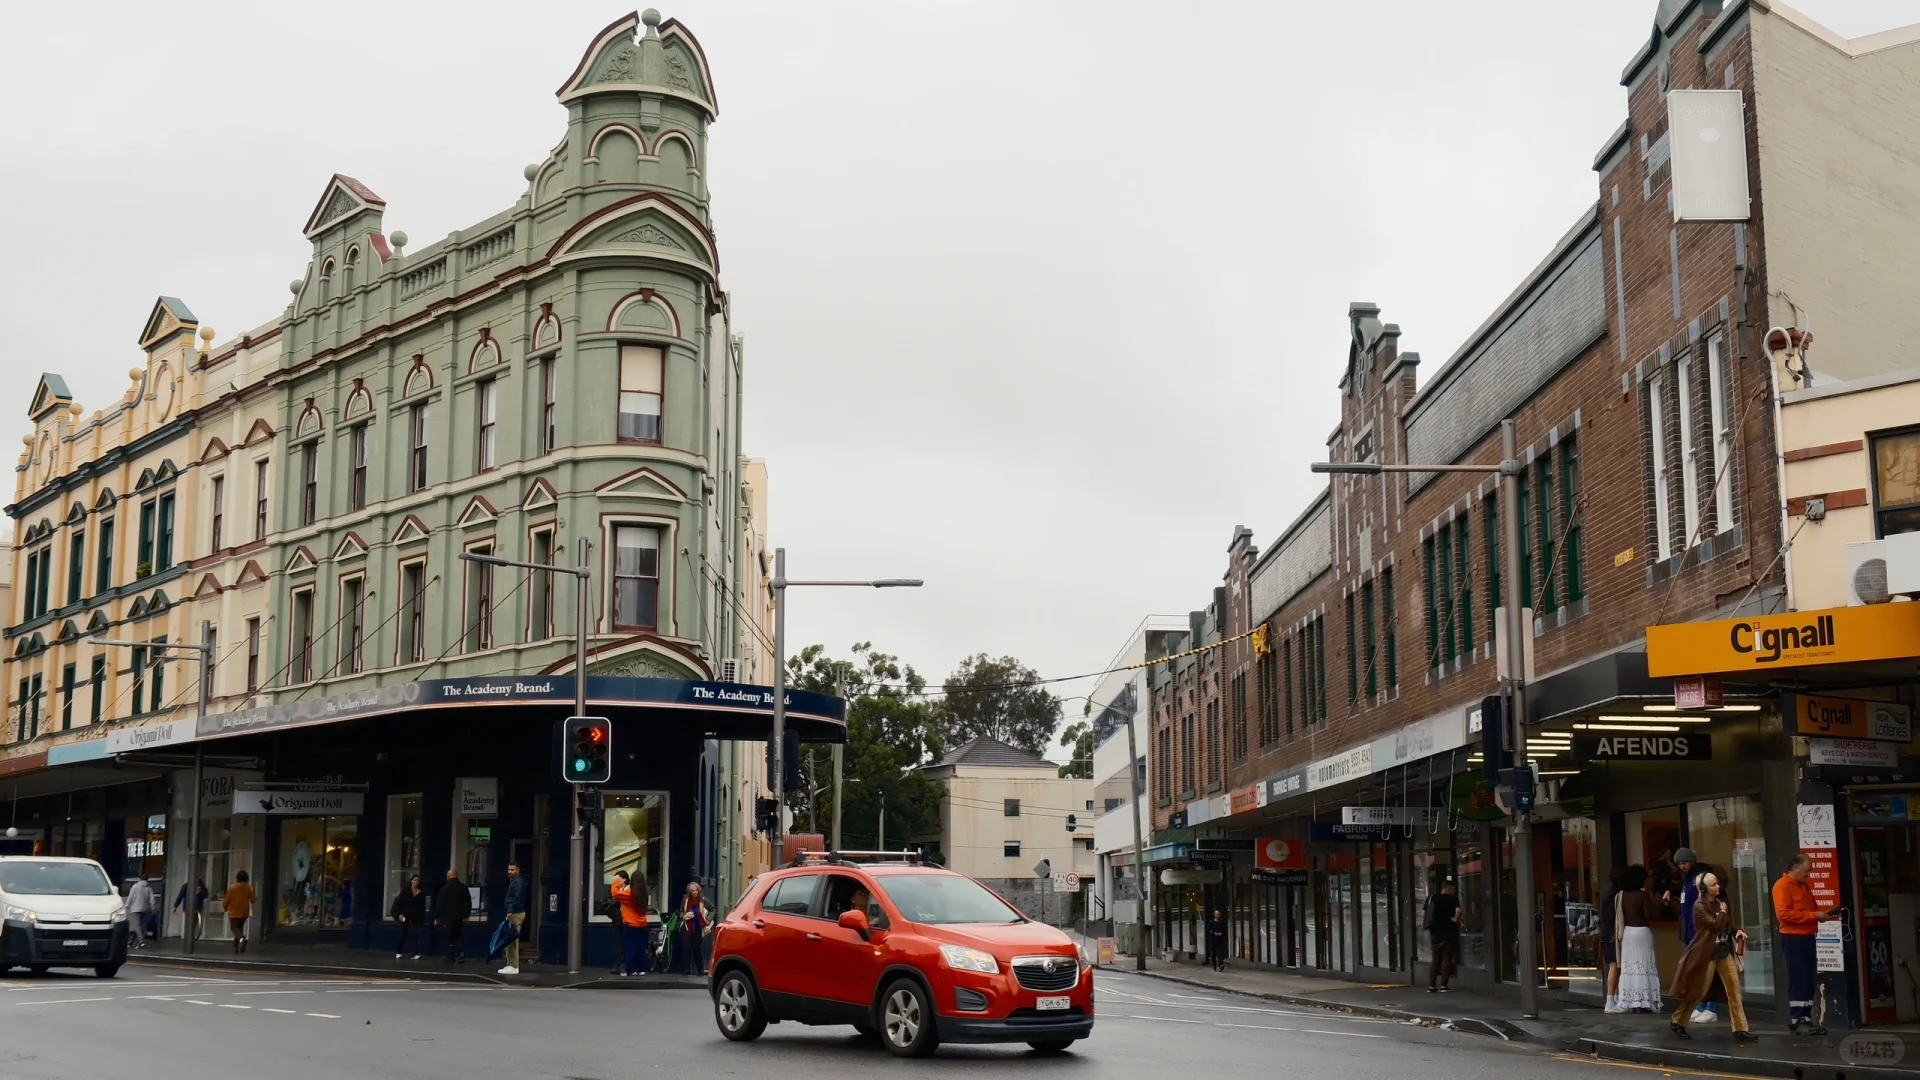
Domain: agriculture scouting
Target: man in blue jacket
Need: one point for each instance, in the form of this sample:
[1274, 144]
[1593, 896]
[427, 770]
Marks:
[516, 908]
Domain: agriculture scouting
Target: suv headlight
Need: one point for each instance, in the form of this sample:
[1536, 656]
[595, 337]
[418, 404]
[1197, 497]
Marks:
[21, 914]
[961, 958]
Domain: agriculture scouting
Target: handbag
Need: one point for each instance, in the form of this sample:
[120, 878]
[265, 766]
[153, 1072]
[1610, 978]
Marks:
[610, 908]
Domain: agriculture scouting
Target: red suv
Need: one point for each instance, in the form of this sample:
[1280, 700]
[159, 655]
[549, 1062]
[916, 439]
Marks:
[914, 955]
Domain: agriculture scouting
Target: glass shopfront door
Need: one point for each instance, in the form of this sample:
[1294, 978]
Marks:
[315, 879]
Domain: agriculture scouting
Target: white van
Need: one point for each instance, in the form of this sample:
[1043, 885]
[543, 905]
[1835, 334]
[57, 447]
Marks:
[60, 913]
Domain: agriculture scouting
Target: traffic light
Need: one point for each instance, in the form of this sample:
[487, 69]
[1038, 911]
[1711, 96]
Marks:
[1072, 822]
[588, 749]
[1493, 736]
[765, 814]
[790, 759]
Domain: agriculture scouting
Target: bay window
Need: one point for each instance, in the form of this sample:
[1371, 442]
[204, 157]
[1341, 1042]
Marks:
[636, 577]
[640, 393]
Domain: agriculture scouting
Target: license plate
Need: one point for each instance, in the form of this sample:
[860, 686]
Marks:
[71, 943]
[1052, 1003]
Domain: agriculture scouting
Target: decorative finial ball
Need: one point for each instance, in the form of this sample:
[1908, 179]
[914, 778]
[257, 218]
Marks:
[76, 408]
[294, 286]
[206, 333]
[399, 239]
[12, 832]
[530, 172]
[134, 373]
[651, 16]
[26, 440]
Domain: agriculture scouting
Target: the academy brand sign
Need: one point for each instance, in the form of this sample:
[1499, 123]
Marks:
[1652, 746]
[1758, 643]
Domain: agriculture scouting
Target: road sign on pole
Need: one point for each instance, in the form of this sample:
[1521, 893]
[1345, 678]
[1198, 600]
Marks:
[1065, 882]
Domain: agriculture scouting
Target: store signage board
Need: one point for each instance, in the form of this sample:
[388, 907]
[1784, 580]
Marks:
[1699, 692]
[1287, 785]
[1434, 735]
[300, 803]
[1383, 815]
[1334, 832]
[1819, 841]
[1280, 877]
[1338, 769]
[1850, 718]
[1277, 853]
[1654, 746]
[477, 796]
[151, 737]
[1857, 753]
[1211, 857]
[1189, 877]
[1756, 644]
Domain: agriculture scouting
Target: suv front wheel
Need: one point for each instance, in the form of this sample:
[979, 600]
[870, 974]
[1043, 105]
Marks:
[907, 1020]
[736, 1008]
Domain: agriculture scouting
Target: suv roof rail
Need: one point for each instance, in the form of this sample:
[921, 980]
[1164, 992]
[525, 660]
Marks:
[840, 858]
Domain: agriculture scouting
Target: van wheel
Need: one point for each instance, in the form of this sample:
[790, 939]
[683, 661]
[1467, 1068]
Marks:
[736, 1008]
[106, 971]
[907, 1020]
[1053, 1046]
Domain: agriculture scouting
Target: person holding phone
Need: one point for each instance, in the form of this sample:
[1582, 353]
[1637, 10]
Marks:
[1715, 943]
[1799, 921]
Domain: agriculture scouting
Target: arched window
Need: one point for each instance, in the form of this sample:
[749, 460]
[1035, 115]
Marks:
[353, 264]
[326, 281]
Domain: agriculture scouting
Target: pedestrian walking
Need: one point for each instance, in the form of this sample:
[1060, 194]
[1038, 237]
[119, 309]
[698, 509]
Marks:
[1799, 921]
[1443, 927]
[516, 910]
[692, 935]
[1691, 871]
[197, 912]
[632, 897]
[239, 905]
[1217, 941]
[140, 911]
[410, 911]
[455, 905]
[1713, 953]
[1639, 989]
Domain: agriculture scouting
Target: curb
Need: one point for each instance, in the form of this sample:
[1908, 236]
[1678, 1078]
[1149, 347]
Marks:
[1753, 1066]
[1378, 1011]
[543, 981]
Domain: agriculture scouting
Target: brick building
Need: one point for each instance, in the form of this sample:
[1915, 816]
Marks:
[1631, 361]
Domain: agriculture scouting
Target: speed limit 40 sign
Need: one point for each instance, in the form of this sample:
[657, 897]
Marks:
[1067, 882]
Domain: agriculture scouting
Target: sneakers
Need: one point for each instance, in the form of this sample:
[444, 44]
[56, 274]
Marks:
[509, 970]
[416, 956]
[397, 956]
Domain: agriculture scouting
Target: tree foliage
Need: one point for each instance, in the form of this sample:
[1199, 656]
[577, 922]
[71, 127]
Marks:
[1078, 739]
[890, 734]
[998, 698]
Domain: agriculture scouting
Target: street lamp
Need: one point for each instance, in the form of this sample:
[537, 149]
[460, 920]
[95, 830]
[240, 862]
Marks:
[777, 748]
[205, 651]
[1509, 469]
[577, 846]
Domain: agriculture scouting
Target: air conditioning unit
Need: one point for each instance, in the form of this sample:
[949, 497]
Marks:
[1902, 554]
[1867, 573]
[730, 669]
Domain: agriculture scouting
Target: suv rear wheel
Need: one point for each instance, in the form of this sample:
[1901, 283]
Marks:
[907, 1020]
[736, 1008]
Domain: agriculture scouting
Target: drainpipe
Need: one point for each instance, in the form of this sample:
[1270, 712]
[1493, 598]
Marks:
[1745, 276]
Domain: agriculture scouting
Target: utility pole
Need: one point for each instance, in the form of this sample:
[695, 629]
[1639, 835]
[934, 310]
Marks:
[883, 820]
[1526, 961]
[580, 900]
[1139, 848]
[189, 930]
[839, 756]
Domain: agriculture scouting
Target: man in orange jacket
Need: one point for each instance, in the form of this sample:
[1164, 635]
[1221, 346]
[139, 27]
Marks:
[1799, 921]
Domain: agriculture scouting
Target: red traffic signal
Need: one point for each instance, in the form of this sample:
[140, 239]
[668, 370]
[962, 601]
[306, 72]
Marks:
[587, 750]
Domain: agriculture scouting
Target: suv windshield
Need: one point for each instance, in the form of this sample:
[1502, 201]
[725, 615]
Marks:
[53, 879]
[946, 898]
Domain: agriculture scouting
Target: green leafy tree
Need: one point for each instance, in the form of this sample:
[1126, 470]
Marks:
[1078, 739]
[998, 698]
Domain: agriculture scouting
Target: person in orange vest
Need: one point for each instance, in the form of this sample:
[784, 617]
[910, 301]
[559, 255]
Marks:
[1799, 920]
[632, 895]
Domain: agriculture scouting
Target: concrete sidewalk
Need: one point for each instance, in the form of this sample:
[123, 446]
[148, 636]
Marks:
[340, 961]
[1879, 1053]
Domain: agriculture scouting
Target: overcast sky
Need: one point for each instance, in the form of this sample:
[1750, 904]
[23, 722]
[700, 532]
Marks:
[1040, 299]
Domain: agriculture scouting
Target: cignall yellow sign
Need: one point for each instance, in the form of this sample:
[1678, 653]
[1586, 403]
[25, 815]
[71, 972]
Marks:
[1795, 639]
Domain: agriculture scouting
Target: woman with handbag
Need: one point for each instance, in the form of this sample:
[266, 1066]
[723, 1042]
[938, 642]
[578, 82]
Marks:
[1638, 987]
[1717, 949]
[694, 922]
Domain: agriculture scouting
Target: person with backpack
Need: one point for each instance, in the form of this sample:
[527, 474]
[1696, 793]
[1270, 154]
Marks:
[631, 894]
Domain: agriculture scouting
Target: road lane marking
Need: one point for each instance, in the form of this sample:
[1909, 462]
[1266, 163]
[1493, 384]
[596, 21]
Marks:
[263, 993]
[191, 1001]
[63, 1001]
[287, 1012]
[1670, 1071]
[1348, 1034]
[1168, 1020]
[375, 990]
[226, 1006]
[324, 1016]
[1254, 1027]
[153, 997]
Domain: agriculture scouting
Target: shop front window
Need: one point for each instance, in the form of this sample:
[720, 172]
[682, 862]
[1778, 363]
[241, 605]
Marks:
[474, 840]
[146, 847]
[1653, 838]
[1472, 863]
[226, 848]
[632, 837]
[1576, 918]
[1726, 836]
[403, 846]
[318, 859]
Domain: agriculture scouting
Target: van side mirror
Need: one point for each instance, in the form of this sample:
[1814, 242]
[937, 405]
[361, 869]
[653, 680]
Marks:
[856, 921]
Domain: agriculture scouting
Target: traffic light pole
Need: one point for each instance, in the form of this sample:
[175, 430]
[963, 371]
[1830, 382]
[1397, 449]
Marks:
[1526, 963]
[577, 889]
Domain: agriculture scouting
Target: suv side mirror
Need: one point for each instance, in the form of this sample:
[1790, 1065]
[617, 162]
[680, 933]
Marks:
[856, 921]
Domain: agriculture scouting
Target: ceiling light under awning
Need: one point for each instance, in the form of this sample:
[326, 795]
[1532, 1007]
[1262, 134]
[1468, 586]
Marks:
[1627, 727]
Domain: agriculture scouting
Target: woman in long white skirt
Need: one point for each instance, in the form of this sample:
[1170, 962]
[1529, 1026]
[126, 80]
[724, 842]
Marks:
[1639, 988]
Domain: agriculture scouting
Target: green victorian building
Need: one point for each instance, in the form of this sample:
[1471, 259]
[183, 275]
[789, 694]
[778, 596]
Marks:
[558, 383]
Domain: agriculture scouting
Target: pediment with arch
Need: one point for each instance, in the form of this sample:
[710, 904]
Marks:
[310, 421]
[485, 354]
[649, 225]
[645, 311]
[359, 401]
[642, 483]
[419, 377]
[647, 657]
[546, 332]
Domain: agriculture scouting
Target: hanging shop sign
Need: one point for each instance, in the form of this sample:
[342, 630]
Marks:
[476, 796]
[1210, 856]
[1856, 753]
[1679, 746]
[1850, 718]
[1277, 853]
[300, 803]
[1339, 832]
[1471, 797]
[1699, 692]
[1757, 644]
[1384, 815]
[1348, 765]
[1819, 842]
[1189, 877]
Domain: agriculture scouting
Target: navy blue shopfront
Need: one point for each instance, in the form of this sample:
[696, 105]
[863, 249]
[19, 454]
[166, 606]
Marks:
[362, 791]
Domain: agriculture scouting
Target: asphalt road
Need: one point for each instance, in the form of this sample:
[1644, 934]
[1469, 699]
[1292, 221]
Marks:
[166, 1025]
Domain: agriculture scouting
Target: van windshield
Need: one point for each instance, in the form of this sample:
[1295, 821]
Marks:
[946, 898]
[35, 878]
